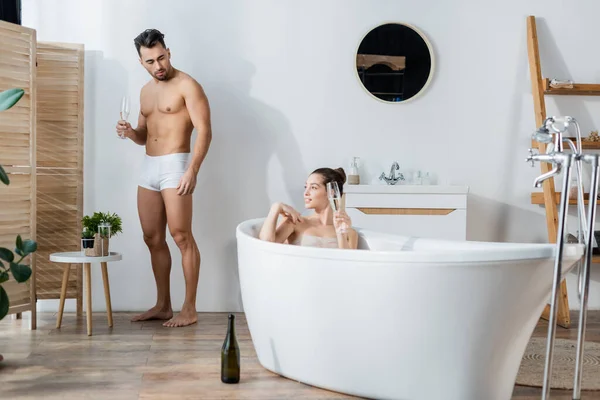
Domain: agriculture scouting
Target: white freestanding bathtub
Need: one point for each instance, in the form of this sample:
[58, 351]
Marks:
[402, 318]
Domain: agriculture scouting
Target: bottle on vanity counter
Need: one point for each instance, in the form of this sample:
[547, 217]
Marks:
[353, 175]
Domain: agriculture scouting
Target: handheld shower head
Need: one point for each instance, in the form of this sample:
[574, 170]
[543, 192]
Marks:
[542, 135]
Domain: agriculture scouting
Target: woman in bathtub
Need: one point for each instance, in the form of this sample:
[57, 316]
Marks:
[325, 228]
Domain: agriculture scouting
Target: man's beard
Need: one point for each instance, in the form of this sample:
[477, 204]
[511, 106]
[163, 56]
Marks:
[164, 76]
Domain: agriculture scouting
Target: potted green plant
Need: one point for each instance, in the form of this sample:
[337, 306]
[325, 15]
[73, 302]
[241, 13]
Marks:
[87, 242]
[104, 226]
[23, 248]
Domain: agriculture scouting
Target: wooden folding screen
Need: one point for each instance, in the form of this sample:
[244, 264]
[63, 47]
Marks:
[60, 73]
[17, 155]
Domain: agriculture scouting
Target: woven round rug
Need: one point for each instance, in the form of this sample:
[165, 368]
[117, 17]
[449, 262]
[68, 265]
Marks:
[531, 372]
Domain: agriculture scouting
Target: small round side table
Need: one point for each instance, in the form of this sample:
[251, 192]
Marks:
[77, 257]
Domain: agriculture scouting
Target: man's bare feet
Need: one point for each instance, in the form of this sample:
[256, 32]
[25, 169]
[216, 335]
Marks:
[155, 312]
[187, 316]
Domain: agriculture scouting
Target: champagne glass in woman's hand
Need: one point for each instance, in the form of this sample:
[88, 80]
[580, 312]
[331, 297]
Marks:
[125, 108]
[341, 221]
[335, 199]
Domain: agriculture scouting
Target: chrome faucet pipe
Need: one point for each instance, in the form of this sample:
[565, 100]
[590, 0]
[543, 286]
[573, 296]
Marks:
[583, 236]
[593, 160]
[581, 205]
[549, 158]
[552, 131]
[559, 125]
[566, 161]
[550, 174]
[581, 221]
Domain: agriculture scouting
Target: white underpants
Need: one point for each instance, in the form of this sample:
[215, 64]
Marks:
[163, 172]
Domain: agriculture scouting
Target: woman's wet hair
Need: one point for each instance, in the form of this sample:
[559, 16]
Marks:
[332, 175]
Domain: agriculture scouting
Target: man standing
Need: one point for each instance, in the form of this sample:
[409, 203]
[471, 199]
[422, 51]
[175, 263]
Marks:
[172, 104]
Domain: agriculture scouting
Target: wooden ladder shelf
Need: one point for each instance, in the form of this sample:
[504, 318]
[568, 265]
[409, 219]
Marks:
[540, 87]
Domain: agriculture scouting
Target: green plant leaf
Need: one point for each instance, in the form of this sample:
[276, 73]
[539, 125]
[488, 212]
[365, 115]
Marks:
[20, 272]
[4, 176]
[3, 303]
[29, 246]
[92, 222]
[10, 97]
[19, 242]
[4, 276]
[6, 254]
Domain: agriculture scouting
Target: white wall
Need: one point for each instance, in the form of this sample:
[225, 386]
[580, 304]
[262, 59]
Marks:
[281, 81]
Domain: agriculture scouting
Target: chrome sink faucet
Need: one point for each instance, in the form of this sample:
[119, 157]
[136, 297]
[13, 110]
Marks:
[392, 179]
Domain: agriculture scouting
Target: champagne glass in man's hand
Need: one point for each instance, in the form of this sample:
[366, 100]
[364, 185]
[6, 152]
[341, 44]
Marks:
[123, 124]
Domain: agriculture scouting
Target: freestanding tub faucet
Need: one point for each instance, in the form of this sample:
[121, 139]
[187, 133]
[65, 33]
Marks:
[562, 161]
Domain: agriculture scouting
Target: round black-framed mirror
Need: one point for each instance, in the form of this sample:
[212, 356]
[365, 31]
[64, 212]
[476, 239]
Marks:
[394, 62]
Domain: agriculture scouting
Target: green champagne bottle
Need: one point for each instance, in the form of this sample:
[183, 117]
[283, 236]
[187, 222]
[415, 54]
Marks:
[230, 355]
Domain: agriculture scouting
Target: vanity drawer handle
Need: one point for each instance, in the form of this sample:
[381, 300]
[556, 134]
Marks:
[406, 211]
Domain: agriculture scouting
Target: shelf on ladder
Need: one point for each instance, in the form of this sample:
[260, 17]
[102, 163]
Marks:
[579, 89]
[585, 144]
[538, 198]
